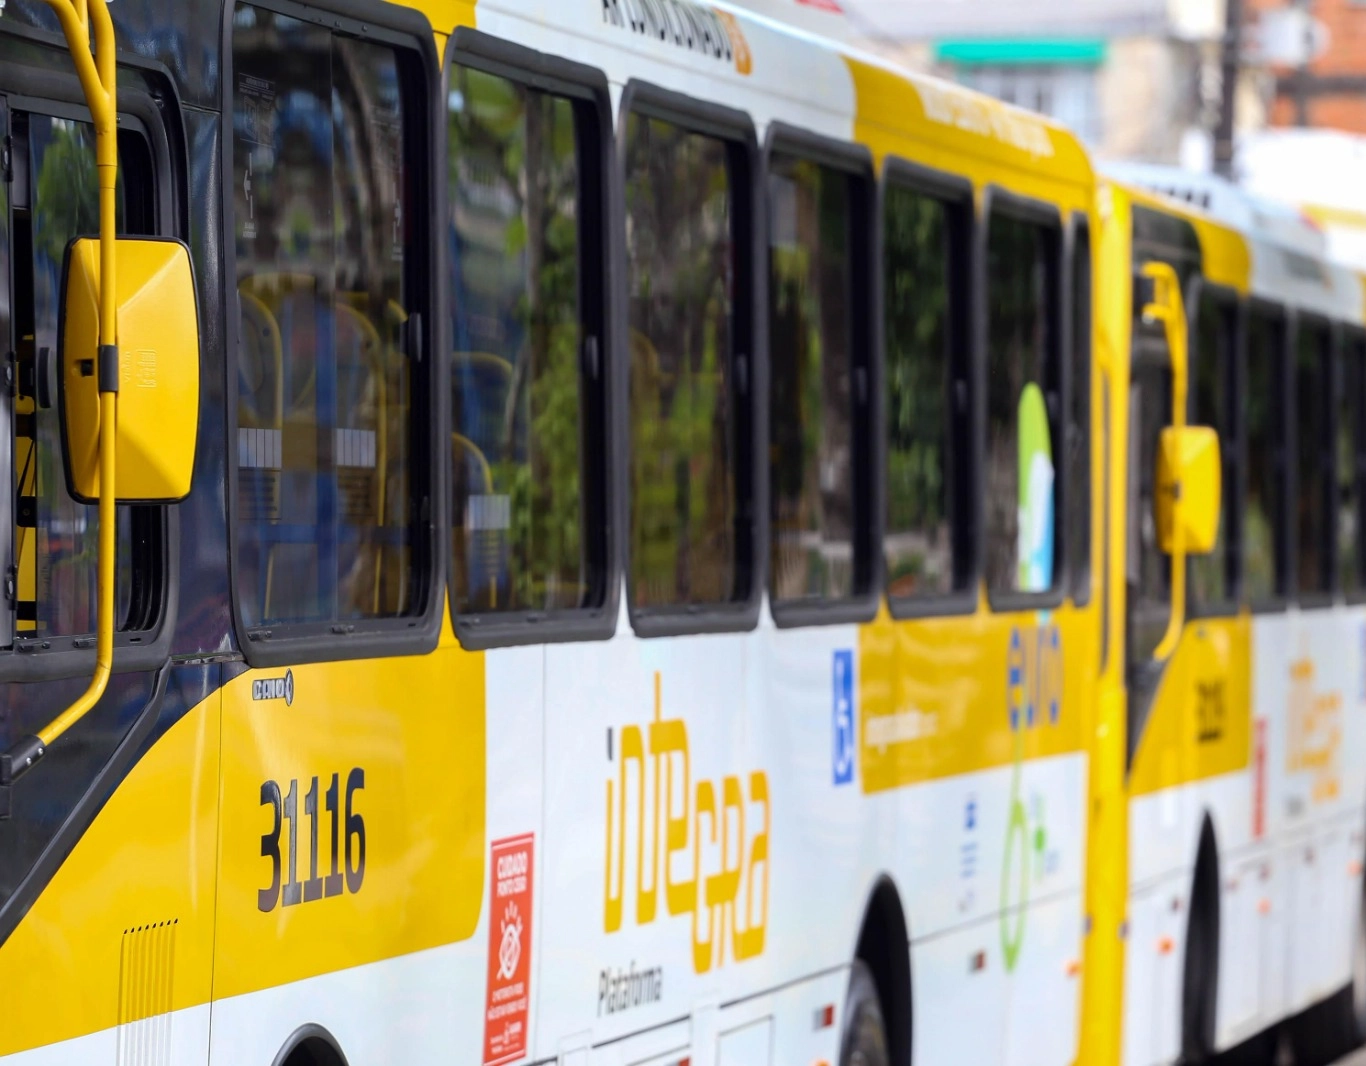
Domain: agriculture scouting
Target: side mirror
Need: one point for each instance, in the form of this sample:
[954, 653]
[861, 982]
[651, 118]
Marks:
[1189, 490]
[158, 370]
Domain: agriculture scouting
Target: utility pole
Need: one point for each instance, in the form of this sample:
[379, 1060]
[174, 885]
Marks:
[1229, 60]
[1302, 69]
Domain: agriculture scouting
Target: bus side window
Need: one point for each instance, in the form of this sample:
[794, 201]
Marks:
[1213, 577]
[329, 438]
[1149, 568]
[1313, 457]
[1265, 556]
[54, 537]
[527, 446]
[1077, 485]
[1350, 430]
[1025, 418]
[928, 544]
[687, 236]
[820, 347]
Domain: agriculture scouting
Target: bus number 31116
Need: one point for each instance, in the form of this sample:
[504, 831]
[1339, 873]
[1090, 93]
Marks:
[350, 825]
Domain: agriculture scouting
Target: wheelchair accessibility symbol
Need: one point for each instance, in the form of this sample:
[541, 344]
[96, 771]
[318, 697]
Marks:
[843, 716]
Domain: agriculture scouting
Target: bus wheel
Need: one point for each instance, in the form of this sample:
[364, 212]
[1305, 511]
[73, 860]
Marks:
[1200, 973]
[865, 1037]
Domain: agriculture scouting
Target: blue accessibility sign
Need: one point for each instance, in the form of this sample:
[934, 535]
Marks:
[843, 716]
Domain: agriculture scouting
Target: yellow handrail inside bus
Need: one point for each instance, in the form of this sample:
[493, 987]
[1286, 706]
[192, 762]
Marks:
[97, 75]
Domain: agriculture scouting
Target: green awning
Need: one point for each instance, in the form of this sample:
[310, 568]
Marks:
[1032, 51]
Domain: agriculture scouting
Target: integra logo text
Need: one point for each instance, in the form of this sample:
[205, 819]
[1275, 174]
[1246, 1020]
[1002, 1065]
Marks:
[275, 688]
[684, 24]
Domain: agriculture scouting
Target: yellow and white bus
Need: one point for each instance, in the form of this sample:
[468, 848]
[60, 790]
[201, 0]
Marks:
[701, 549]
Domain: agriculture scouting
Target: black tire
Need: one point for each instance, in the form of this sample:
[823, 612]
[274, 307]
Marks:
[1200, 972]
[864, 1042]
[1197, 1020]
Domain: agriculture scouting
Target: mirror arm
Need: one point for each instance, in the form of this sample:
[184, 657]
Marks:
[98, 78]
[1169, 308]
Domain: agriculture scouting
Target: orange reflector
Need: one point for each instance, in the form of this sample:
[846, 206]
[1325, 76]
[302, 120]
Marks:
[1166, 946]
[1073, 967]
[1264, 906]
[1354, 869]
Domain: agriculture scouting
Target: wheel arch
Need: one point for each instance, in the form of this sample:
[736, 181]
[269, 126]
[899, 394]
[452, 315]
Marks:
[1205, 883]
[1203, 912]
[310, 1045]
[884, 946]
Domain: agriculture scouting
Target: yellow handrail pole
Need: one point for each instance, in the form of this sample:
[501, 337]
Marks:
[1169, 309]
[97, 74]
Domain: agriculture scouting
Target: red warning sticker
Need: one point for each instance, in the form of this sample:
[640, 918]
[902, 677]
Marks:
[509, 998]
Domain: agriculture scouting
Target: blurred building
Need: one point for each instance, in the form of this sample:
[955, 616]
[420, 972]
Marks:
[1330, 89]
[1138, 79]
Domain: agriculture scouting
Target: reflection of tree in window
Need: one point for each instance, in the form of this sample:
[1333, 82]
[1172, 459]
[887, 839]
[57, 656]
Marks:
[1312, 456]
[1020, 291]
[1264, 400]
[55, 557]
[1211, 393]
[918, 546]
[514, 188]
[1150, 411]
[679, 247]
[1078, 494]
[809, 342]
[324, 443]
[1351, 436]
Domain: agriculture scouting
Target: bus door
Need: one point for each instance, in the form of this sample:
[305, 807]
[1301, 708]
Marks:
[1147, 569]
[80, 909]
[1174, 489]
[1174, 494]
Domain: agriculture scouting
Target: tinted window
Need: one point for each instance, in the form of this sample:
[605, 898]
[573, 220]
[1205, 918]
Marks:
[1264, 405]
[56, 538]
[686, 421]
[324, 227]
[926, 547]
[1078, 489]
[1351, 437]
[52, 197]
[1023, 405]
[1212, 368]
[517, 401]
[1313, 457]
[1149, 577]
[812, 445]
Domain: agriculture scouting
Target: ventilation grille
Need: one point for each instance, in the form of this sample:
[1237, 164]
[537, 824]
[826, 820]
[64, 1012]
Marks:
[146, 977]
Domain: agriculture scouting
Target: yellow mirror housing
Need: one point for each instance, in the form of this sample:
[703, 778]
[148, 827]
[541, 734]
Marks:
[1189, 489]
[158, 370]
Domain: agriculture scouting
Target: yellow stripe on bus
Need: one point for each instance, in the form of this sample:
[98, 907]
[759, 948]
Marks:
[949, 696]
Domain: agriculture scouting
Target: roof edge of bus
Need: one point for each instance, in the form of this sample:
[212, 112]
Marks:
[854, 52]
